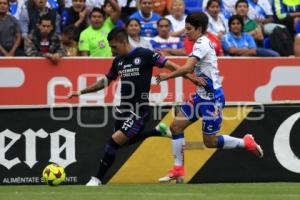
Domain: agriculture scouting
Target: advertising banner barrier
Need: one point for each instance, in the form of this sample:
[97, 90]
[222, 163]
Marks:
[74, 137]
[36, 81]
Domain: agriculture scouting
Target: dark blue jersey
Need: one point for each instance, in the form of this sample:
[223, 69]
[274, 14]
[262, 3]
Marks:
[135, 70]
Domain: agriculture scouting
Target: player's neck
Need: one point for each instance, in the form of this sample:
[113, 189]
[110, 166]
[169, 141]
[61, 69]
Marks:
[198, 36]
[129, 48]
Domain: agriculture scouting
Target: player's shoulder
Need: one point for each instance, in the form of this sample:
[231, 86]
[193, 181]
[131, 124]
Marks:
[202, 42]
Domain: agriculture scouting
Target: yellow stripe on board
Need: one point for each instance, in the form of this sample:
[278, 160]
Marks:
[154, 156]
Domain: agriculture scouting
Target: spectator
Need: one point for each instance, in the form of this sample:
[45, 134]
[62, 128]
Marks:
[188, 45]
[94, 4]
[31, 14]
[238, 43]
[108, 9]
[169, 45]
[43, 41]
[75, 15]
[297, 45]
[227, 7]
[133, 27]
[128, 8]
[93, 40]
[10, 33]
[69, 42]
[261, 11]
[250, 26]
[15, 7]
[162, 7]
[147, 17]
[217, 23]
[287, 13]
[177, 18]
[57, 5]
[68, 3]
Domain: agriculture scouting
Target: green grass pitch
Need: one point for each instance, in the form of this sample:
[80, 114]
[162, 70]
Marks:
[228, 191]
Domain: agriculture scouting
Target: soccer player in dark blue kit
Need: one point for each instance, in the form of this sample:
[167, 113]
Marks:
[134, 66]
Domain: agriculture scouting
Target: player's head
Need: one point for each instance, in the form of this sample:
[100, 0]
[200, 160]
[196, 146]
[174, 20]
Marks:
[196, 25]
[118, 41]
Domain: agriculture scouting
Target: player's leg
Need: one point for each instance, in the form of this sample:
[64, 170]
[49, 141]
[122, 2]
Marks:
[183, 119]
[161, 130]
[229, 142]
[211, 123]
[115, 142]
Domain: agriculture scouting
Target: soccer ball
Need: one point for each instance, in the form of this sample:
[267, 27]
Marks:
[54, 174]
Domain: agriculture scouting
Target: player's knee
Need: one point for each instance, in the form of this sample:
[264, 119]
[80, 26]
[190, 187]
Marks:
[175, 128]
[210, 142]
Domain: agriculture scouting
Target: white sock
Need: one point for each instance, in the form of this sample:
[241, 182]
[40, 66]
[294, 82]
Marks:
[228, 142]
[178, 149]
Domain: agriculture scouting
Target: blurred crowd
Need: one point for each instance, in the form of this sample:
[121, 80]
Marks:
[57, 28]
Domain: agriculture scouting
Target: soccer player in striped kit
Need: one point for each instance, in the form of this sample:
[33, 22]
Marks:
[207, 102]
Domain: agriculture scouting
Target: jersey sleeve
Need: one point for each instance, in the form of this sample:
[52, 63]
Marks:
[201, 48]
[157, 59]
[113, 72]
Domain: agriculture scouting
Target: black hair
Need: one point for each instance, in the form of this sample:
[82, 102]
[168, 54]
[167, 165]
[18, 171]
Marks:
[165, 19]
[118, 34]
[71, 31]
[235, 17]
[45, 17]
[107, 1]
[241, 1]
[97, 9]
[211, 1]
[133, 19]
[198, 19]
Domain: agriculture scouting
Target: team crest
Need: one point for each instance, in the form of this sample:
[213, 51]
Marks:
[137, 61]
[102, 44]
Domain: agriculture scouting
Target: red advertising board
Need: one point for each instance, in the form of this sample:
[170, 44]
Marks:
[36, 81]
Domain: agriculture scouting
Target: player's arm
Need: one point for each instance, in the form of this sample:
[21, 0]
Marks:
[173, 67]
[99, 85]
[188, 67]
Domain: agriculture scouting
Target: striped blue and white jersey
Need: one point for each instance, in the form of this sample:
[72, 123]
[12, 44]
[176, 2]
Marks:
[206, 67]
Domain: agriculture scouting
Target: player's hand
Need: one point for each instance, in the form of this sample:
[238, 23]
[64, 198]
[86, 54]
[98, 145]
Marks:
[74, 94]
[161, 77]
[200, 81]
[160, 52]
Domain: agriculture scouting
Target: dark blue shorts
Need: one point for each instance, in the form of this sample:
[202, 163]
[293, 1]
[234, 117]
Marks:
[130, 123]
[209, 110]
